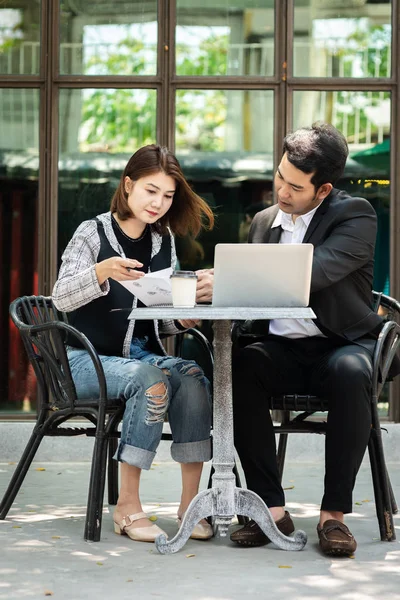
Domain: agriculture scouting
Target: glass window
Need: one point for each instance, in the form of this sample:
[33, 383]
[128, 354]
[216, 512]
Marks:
[19, 37]
[333, 38]
[19, 170]
[101, 38]
[220, 38]
[99, 130]
[224, 142]
[364, 119]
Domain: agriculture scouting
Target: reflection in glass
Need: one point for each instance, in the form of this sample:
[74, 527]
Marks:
[99, 130]
[364, 119]
[19, 170]
[19, 37]
[101, 38]
[342, 39]
[224, 142]
[218, 38]
[224, 120]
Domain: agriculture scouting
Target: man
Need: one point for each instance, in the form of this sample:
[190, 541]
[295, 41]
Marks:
[329, 356]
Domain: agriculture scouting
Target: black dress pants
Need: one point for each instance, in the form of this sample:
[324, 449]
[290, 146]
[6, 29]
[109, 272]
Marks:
[315, 366]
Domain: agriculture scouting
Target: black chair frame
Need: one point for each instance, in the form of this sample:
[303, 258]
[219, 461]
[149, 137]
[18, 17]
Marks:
[44, 329]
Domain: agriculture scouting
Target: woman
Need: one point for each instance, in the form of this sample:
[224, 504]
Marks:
[153, 200]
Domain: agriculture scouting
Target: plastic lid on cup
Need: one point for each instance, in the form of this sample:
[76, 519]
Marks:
[184, 274]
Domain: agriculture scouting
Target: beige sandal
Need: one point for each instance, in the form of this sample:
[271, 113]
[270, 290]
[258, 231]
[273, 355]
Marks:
[201, 531]
[138, 534]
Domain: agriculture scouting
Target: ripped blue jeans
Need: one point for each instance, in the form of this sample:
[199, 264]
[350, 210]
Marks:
[152, 386]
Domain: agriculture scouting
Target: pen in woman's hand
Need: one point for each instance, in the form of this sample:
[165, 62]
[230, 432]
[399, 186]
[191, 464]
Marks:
[119, 269]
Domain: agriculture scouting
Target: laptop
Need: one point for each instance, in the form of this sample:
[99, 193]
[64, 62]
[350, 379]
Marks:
[262, 275]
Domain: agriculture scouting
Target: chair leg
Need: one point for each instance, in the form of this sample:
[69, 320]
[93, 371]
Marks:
[209, 486]
[97, 481]
[20, 472]
[393, 502]
[212, 471]
[112, 472]
[383, 497]
[241, 518]
[281, 454]
[282, 444]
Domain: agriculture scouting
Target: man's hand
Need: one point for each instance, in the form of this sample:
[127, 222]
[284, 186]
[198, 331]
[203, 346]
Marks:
[188, 323]
[205, 283]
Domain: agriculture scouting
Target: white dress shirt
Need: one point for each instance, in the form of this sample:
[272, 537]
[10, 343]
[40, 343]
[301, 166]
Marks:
[293, 233]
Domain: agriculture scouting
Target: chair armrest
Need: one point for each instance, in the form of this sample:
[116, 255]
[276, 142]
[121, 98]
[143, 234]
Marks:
[32, 331]
[248, 332]
[385, 350]
[205, 346]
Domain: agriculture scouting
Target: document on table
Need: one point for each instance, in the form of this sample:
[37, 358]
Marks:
[153, 289]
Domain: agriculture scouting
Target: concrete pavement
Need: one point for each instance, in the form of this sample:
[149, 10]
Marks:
[42, 551]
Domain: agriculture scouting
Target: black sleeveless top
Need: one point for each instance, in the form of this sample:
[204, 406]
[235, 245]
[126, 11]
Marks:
[139, 249]
[106, 328]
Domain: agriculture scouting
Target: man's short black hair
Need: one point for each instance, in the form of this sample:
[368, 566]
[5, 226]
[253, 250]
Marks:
[321, 149]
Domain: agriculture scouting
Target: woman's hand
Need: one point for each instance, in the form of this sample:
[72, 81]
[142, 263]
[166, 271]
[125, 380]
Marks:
[204, 289]
[188, 323]
[118, 268]
[205, 283]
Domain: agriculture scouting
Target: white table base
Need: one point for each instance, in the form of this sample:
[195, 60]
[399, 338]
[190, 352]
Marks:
[224, 500]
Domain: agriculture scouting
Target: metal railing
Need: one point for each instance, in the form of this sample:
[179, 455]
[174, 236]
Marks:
[320, 57]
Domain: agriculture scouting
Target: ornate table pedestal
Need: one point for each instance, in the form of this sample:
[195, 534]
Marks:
[224, 500]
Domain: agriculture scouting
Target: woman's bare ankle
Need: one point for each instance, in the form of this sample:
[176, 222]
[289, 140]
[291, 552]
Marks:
[125, 509]
[181, 510]
[129, 508]
[184, 503]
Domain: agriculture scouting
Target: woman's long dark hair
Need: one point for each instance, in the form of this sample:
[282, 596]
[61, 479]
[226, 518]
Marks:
[187, 209]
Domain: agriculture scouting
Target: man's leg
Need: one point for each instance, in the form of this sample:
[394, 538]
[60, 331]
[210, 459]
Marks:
[259, 371]
[344, 376]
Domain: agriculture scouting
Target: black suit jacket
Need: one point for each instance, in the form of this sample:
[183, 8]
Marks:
[343, 232]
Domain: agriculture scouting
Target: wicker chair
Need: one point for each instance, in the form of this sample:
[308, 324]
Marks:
[43, 329]
[294, 410]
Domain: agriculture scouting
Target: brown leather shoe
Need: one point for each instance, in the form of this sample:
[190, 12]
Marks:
[252, 535]
[335, 539]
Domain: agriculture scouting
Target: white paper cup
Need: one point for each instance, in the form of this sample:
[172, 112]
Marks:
[183, 284]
